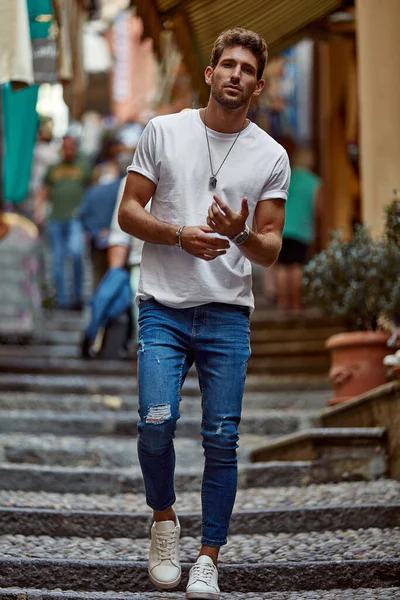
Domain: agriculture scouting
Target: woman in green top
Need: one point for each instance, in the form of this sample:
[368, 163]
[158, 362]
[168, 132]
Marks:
[302, 206]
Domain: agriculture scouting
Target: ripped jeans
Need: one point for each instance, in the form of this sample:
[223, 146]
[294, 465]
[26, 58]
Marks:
[215, 337]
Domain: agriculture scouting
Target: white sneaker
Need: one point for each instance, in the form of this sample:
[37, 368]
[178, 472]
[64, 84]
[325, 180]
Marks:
[203, 580]
[164, 567]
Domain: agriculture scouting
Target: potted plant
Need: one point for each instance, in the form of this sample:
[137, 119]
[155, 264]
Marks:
[357, 280]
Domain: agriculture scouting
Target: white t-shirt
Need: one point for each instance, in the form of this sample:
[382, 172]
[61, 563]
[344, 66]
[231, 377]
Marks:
[117, 237]
[172, 153]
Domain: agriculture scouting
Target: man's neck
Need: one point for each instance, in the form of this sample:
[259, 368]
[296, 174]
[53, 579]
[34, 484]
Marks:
[225, 120]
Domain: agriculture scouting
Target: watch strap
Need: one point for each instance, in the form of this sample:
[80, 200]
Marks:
[178, 236]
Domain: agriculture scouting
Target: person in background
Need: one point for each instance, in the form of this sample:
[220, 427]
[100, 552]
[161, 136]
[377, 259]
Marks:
[46, 153]
[107, 167]
[130, 133]
[64, 186]
[96, 213]
[124, 249]
[124, 252]
[302, 211]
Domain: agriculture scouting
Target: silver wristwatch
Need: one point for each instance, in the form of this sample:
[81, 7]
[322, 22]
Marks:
[241, 237]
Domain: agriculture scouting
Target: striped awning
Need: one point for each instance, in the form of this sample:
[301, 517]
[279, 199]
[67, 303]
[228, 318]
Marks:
[197, 23]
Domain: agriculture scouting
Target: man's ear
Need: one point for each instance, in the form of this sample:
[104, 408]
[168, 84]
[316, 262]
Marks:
[259, 87]
[207, 75]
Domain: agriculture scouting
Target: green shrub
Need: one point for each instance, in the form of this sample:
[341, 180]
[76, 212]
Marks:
[359, 279]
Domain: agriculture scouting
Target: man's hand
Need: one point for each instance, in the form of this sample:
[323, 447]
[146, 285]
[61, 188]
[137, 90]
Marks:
[198, 242]
[224, 221]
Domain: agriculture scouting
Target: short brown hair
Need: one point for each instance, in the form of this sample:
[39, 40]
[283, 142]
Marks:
[241, 37]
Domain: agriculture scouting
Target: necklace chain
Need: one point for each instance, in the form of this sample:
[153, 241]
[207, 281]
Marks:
[213, 178]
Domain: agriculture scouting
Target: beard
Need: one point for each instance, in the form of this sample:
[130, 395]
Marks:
[232, 102]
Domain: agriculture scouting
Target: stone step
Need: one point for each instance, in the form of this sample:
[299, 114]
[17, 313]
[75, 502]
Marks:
[83, 424]
[111, 525]
[307, 400]
[285, 334]
[63, 366]
[63, 338]
[318, 362]
[55, 337]
[260, 346]
[102, 384]
[388, 593]
[272, 328]
[84, 384]
[104, 452]
[345, 494]
[324, 443]
[308, 319]
[21, 351]
[257, 548]
[266, 333]
[106, 481]
[359, 451]
[124, 423]
[312, 561]
[282, 348]
[66, 320]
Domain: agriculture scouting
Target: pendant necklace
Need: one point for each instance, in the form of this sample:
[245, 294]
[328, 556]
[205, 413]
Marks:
[212, 183]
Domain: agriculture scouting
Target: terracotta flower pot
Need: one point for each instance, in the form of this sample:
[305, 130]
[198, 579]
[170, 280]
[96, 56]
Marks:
[356, 362]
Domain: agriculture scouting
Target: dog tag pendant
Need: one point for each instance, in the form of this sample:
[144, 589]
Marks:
[213, 182]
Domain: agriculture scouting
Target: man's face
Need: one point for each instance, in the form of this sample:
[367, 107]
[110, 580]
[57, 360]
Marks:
[69, 149]
[234, 80]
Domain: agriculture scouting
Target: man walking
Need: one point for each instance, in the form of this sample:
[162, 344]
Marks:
[64, 186]
[218, 185]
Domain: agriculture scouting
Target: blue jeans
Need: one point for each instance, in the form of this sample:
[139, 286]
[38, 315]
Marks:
[66, 239]
[215, 337]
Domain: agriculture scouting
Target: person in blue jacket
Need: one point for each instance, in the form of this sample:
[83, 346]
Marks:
[96, 214]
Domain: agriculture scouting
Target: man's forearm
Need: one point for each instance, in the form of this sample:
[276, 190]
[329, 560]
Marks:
[262, 248]
[135, 220]
[117, 256]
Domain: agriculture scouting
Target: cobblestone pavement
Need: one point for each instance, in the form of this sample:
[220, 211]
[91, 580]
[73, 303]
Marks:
[343, 494]
[360, 594]
[339, 545]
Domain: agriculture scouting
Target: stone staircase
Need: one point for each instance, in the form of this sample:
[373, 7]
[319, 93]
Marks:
[73, 518]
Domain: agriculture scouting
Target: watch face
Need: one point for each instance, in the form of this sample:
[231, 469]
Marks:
[242, 237]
